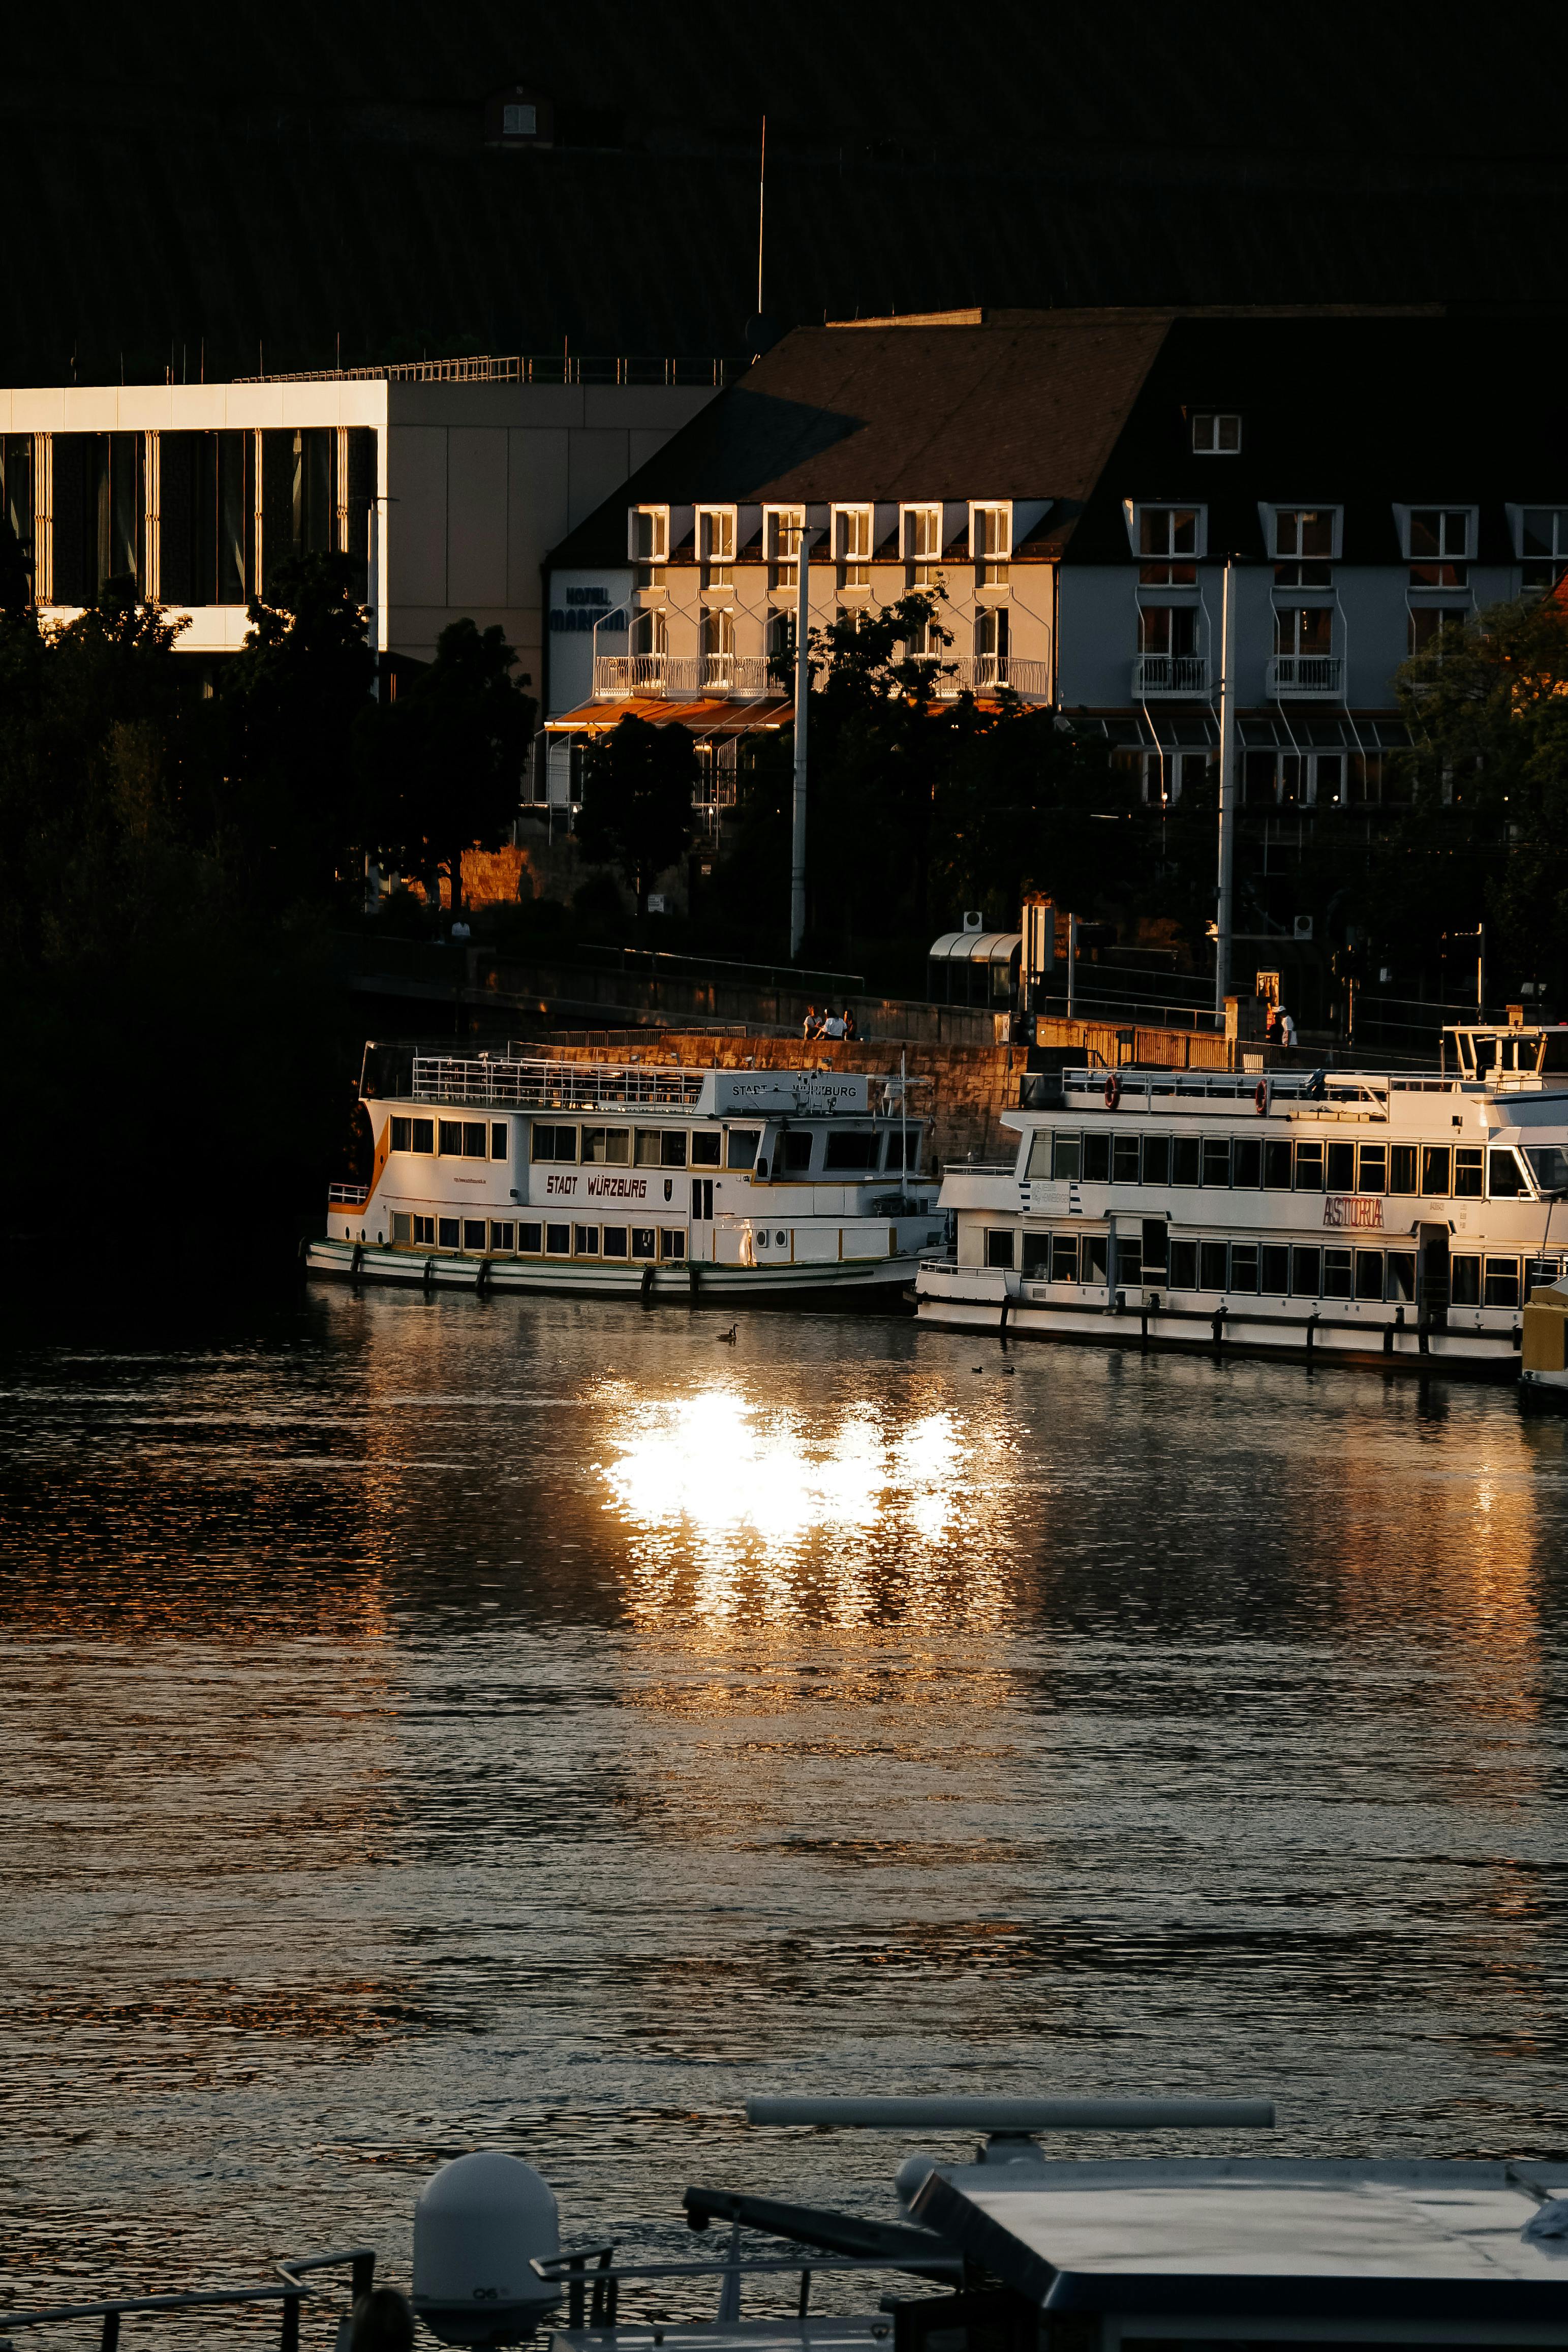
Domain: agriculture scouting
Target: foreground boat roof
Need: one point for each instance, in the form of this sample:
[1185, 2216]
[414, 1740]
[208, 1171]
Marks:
[1404, 2241]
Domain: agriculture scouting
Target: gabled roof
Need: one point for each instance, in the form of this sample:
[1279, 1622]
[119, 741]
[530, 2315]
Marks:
[1021, 411]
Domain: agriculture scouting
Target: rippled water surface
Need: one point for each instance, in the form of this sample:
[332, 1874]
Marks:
[429, 1723]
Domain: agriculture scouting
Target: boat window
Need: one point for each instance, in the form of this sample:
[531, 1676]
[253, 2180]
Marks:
[1094, 1256]
[554, 1142]
[1502, 1282]
[642, 1241]
[1064, 1257]
[497, 1139]
[706, 1148]
[425, 1232]
[413, 1135]
[795, 1150]
[1244, 1266]
[1402, 1277]
[446, 1231]
[1308, 1167]
[1306, 1273]
[530, 1240]
[1539, 1272]
[1156, 1160]
[585, 1241]
[1129, 1264]
[400, 1223]
[613, 1241]
[1369, 1274]
[1340, 1171]
[1097, 1159]
[743, 1142]
[1183, 1265]
[1505, 1177]
[558, 1241]
[1549, 1164]
[647, 1153]
[895, 1144]
[475, 1232]
[1065, 1154]
[672, 1148]
[1337, 1274]
[1469, 1160]
[1435, 1170]
[476, 1141]
[852, 1150]
[672, 1243]
[1217, 1159]
[1464, 1282]
[1247, 1162]
[1212, 1266]
[1156, 1245]
[400, 1128]
[1036, 1258]
[1277, 1164]
[449, 1136]
[1373, 1169]
[998, 1245]
[1553, 1054]
[1274, 1267]
[503, 1234]
[1125, 1156]
[606, 1147]
[1184, 1160]
[1402, 1167]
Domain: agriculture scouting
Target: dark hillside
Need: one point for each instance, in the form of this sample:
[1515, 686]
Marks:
[218, 188]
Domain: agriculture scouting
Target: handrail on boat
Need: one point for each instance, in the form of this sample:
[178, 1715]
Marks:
[292, 2293]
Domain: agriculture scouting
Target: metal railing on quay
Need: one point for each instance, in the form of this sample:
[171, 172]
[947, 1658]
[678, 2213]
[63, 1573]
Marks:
[359, 2260]
[1130, 1011]
[526, 367]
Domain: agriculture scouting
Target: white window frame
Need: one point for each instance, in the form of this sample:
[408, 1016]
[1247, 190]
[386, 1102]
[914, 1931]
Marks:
[907, 514]
[1217, 418]
[1270, 516]
[1135, 509]
[660, 516]
[842, 517]
[979, 553]
[1402, 515]
[706, 517]
[1516, 514]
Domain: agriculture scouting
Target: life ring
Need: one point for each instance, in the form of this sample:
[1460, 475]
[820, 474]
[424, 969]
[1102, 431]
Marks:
[1112, 1089]
[1260, 1098]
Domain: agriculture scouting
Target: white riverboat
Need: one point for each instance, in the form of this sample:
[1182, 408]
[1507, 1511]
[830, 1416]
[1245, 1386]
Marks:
[495, 1171]
[1365, 1218]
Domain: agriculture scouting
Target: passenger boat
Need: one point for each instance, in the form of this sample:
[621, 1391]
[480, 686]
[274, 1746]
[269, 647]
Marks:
[1013, 2251]
[1372, 1219]
[496, 1170]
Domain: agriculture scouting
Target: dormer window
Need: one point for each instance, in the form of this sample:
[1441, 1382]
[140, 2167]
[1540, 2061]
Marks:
[650, 549]
[854, 529]
[1169, 539]
[991, 544]
[715, 546]
[1437, 542]
[1544, 545]
[1215, 435]
[784, 526]
[1304, 546]
[923, 545]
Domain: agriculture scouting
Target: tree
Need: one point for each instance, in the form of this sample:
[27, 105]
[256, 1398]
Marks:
[637, 801]
[443, 762]
[1487, 712]
[289, 708]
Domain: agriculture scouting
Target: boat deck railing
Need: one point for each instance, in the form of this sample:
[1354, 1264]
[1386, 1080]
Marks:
[360, 2261]
[552, 1085]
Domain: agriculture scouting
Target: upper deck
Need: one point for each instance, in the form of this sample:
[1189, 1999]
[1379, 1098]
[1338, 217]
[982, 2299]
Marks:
[508, 1079]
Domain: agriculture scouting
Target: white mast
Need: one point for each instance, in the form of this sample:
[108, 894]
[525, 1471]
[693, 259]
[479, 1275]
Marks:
[1225, 915]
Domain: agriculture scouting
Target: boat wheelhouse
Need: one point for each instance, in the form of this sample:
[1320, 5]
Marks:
[492, 1168]
[1369, 1218]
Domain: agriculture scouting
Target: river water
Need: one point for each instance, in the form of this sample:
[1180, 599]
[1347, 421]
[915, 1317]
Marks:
[431, 1723]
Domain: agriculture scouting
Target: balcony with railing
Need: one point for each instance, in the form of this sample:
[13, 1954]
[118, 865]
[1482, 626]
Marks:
[1170, 674]
[1305, 677]
[681, 678]
[986, 674]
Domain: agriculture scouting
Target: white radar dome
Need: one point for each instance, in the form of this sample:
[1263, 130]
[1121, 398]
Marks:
[478, 2225]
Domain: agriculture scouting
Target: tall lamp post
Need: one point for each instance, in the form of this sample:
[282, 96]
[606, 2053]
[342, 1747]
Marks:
[1225, 915]
[802, 691]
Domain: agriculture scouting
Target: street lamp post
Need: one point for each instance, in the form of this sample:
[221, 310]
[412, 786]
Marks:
[802, 692]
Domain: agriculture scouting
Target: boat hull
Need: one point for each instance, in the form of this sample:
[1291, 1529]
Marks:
[958, 1299]
[876, 1285]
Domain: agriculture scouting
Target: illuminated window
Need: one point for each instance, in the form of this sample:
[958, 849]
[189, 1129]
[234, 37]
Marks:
[923, 545]
[854, 526]
[784, 526]
[715, 546]
[991, 543]
[650, 549]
